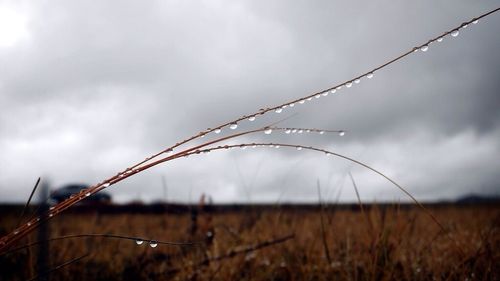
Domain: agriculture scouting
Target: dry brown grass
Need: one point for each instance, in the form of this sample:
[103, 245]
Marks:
[404, 245]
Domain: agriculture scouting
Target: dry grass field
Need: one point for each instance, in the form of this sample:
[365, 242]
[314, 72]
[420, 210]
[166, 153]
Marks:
[384, 243]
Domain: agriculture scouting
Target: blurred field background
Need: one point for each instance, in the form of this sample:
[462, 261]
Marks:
[335, 242]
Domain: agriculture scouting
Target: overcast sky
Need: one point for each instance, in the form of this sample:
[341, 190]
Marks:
[89, 88]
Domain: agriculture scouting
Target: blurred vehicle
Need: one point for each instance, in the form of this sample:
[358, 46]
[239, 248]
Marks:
[66, 191]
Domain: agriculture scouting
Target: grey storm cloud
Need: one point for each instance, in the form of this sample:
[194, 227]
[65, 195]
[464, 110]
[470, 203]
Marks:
[92, 88]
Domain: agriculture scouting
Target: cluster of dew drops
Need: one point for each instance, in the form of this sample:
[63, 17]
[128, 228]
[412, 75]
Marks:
[152, 243]
[453, 33]
[234, 126]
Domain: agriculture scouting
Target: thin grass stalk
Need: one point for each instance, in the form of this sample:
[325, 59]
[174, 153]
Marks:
[323, 231]
[327, 152]
[361, 206]
[28, 202]
[110, 236]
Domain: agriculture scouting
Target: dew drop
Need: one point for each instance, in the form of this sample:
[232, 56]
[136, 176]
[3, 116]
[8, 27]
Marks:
[339, 87]
[317, 96]
[153, 244]
[440, 39]
[51, 208]
[333, 91]
[233, 126]
[288, 131]
[357, 81]
[475, 22]
[302, 101]
[321, 132]
[271, 145]
[251, 118]
[309, 99]
[369, 75]
[16, 232]
[299, 148]
[292, 104]
[278, 110]
[139, 242]
[465, 26]
[51, 215]
[455, 33]
[243, 147]
[276, 146]
[424, 48]
[294, 131]
[87, 194]
[348, 84]
[341, 133]
[308, 131]
[268, 131]
[209, 234]
[254, 146]
[300, 131]
[217, 131]
[28, 224]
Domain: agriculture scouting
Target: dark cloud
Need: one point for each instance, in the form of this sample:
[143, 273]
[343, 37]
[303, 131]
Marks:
[96, 87]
